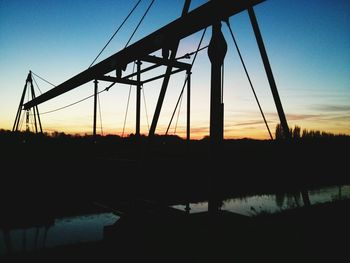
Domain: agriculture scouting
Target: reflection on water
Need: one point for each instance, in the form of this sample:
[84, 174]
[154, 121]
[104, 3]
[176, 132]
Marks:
[63, 231]
[253, 205]
[88, 228]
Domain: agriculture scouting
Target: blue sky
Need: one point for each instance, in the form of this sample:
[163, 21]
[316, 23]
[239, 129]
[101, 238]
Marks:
[308, 43]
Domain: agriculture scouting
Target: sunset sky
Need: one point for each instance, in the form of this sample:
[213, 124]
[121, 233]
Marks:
[308, 43]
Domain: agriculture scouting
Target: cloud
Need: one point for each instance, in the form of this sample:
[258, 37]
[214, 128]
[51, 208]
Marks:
[331, 108]
[200, 130]
[250, 123]
[293, 116]
[296, 117]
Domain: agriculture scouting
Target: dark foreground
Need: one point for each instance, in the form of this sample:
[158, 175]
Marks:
[165, 169]
[316, 234]
[60, 176]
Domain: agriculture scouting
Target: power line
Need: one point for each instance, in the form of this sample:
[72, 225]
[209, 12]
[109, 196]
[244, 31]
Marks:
[250, 82]
[127, 17]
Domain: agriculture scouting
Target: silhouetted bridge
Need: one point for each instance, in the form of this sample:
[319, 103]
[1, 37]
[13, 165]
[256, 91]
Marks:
[167, 40]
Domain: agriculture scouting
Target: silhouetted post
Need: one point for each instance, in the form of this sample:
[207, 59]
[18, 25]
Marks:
[269, 73]
[138, 98]
[188, 128]
[216, 52]
[306, 198]
[95, 107]
[187, 208]
[166, 79]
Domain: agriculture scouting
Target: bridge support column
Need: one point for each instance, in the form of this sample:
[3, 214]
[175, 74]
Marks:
[216, 51]
[188, 126]
[269, 73]
[95, 107]
[138, 98]
[29, 81]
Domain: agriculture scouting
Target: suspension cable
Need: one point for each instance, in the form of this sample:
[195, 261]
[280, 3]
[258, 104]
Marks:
[21, 121]
[74, 103]
[37, 85]
[145, 104]
[183, 87]
[48, 82]
[99, 109]
[126, 112]
[178, 114]
[250, 82]
[144, 15]
[222, 81]
[127, 17]
[188, 55]
[127, 104]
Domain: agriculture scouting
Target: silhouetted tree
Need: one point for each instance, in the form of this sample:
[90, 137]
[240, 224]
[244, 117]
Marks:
[296, 132]
[305, 134]
[279, 132]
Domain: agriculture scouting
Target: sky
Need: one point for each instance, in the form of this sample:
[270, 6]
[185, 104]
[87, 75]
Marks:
[308, 44]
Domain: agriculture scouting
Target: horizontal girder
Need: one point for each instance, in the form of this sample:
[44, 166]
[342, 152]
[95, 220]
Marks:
[197, 19]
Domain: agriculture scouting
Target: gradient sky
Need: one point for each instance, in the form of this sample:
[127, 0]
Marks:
[308, 43]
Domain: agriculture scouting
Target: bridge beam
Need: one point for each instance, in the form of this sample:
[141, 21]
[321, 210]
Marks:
[197, 19]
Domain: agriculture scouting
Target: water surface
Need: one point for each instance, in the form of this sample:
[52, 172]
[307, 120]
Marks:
[270, 203]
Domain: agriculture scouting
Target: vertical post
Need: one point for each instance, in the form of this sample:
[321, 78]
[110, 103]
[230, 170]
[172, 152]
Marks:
[95, 107]
[216, 52]
[269, 73]
[138, 98]
[188, 127]
[166, 79]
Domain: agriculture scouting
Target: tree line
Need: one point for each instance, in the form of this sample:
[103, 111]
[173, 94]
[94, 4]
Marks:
[297, 133]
